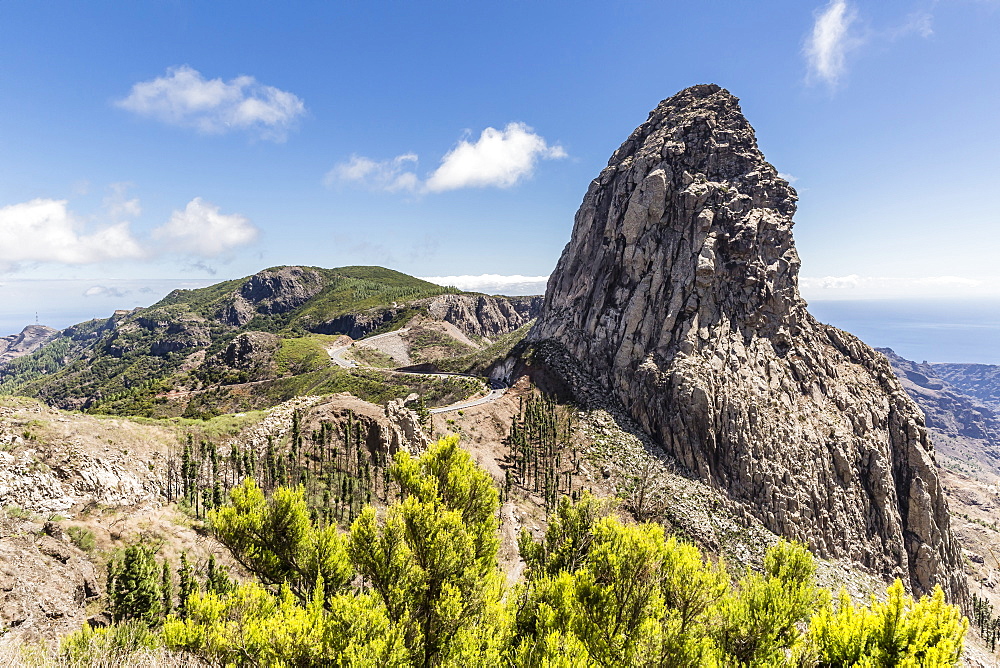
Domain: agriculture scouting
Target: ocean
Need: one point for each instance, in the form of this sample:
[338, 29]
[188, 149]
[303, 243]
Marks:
[959, 331]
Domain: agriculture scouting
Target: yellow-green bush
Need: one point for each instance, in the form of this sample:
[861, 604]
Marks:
[419, 585]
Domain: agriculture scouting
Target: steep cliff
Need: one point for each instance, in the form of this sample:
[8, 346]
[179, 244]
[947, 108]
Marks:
[483, 315]
[678, 293]
[272, 291]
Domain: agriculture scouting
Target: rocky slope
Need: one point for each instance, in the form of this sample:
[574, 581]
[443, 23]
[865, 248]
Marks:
[28, 341]
[965, 431]
[485, 316]
[981, 381]
[61, 472]
[678, 293]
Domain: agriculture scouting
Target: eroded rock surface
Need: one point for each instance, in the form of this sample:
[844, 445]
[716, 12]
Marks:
[678, 292]
[271, 291]
[483, 315]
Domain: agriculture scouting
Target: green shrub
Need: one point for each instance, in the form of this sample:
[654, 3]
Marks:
[82, 537]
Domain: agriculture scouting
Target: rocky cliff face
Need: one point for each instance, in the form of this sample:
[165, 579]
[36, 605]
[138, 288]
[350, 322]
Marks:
[28, 341]
[678, 292]
[271, 291]
[475, 315]
[483, 315]
[360, 325]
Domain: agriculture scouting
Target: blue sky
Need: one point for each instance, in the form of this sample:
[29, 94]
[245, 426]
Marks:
[145, 146]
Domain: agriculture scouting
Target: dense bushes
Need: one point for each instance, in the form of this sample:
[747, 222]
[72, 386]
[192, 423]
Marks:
[419, 585]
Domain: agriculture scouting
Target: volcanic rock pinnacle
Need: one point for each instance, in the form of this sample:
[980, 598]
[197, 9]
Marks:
[678, 291]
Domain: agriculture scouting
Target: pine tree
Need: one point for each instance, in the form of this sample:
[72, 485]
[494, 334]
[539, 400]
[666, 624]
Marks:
[133, 587]
[187, 586]
[167, 589]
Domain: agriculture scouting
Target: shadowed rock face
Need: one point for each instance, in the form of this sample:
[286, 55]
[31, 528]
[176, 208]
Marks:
[679, 291]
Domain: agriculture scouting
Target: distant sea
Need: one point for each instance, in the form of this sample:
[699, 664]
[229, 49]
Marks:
[960, 331]
[931, 330]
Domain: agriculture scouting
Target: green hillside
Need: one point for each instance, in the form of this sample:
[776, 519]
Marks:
[122, 364]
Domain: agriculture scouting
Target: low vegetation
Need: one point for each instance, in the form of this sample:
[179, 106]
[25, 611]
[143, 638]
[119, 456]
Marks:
[419, 585]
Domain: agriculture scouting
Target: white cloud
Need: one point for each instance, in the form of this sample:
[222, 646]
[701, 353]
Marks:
[499, 159]
[185, 98]
[104, 291]
[788, 177]
[826, 48]
[390, 175]
[44, 230]
[494, 283]
[854, 286]
[200, 229]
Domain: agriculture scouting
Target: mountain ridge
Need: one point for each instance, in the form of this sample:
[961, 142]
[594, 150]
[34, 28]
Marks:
[136, 357]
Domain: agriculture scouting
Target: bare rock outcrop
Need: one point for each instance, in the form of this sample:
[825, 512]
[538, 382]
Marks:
[678, 292]
[271, 291]
[28, 341]
[385, 429]
[251, 350]
[484, 315]
[361, 324]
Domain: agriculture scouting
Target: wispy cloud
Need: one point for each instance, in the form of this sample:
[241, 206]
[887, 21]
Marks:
[827, 46]
[920, 22]
[494, 283]
[390, 175]
[838, 30]
[497, 159]
[201, 229]
[857, 286]
[185, 98]
[105, 291]
[118, 205]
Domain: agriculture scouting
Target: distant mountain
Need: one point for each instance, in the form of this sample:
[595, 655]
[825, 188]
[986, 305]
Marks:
[28, 341]
[965, 428]
[981, 381]
[259, 329]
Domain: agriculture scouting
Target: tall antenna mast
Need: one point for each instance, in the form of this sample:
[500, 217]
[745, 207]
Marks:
[36, 317]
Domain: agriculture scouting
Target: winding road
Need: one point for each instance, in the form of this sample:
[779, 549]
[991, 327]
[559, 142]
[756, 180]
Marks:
[497, 388]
